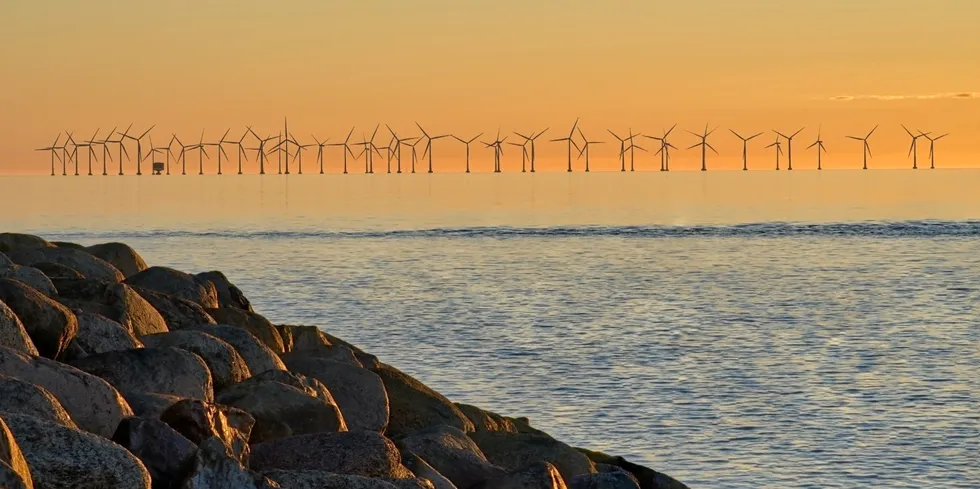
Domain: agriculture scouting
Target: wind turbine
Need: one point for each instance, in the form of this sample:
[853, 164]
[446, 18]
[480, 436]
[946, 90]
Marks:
[299, 154]
[105, 150]
[779, 150]
[221, 149]
[414, 153]
[428, 144]
[241, 148]
[67, 156]
[622, 150]
[820, 149]
[664, 151]
[346, 148]
[498, 151]
[183, 155]
[867, 147]
[467, 143]
[585, 148]
[152, 154]
[532, 138]
[398, 146]
[87, 144]
[170, 152]
[282, 148]
[370, 155]
[914, 148]
[745, 148]
[524, 154]
[704, 146]
[789, 150]
[389, 152]
[54, 151]
[139, 147]
[122, 146]
[319, 151]
[260, 151]
[202, 152]
[571, 142]
[932, 148]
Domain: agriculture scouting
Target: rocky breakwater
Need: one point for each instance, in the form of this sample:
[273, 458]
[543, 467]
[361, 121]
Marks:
[115, 374]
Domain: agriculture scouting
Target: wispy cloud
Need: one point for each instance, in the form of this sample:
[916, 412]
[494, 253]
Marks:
[933, 96]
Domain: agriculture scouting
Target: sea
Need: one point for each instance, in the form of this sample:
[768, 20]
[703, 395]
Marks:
[731, 329]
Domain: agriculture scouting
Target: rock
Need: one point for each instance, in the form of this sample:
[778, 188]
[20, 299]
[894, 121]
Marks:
[368, 360]
[412, 483]
[316, 479]
[251, 322]
[66, 458]
[163, 370]
[647, 477]
[538, 475]
[149, 404]
[177, 313]
[177, 284]
[121, 256]
[354, 453]
[214, 468]
[5, 261]
[67, 244]
[485, 420]
[228, 294]
[99, 334]
[14, 241]
[92, 403]
[226, 365]
[86, 264]
[163, 451]
[514, 450]
[199, 421]
[50, 325]
[359, 392]
[54, 270]
[12, 458]
[281, 410]
[19, 397]
[309, 341]
[306, 384]
[257, 356]
[452, 454]
[9, 479]
[413, 405]
[115, 301]
[619, 479]
[422, 469]
[29, 276]
[12, 332]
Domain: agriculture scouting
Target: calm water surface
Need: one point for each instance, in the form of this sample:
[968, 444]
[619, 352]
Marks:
[757, 330]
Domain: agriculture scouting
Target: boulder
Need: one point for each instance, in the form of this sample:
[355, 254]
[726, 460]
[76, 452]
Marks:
[647, 477]
[5, 261]
[412, 483]
[452, 453]
[306, 384]
[537, 475]
[149, 404]
[316, 479]
[354, 453]
[19, 397]
[199, 421]
[413, 405]
[50, 325]
[177, 284]
[514, 450]
[86, 264]
[226, 365]
[422, 469]
[257, 356]
[15, 241]
[254, 323]
[12, 458]
[281, 410]
[163, 370]
[68, 244]
[163, 451]
[54, 270]
[485, 420]
[368, 360]
[98, 334]
[66, 458]
[115, 301]
[228, 294]
[12, 332]
[177, 313]
[309, 341]
[213, 467]
[92, 403]
[30, 276]
[359, 393]
[618, 479]
[121, 256]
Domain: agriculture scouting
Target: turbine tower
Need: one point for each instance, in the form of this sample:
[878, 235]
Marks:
[867, 147]
[91, 151]
[622, 150]
[183, 155]
[745, 148]
[428, 145]
[467, 143]
[571, 142]
[299, 155]
[122, 146]
[241, 149]
[704, 146]
[664, 151]
[202, 152]
[319, 151]
[220, 145]
[914, 148]
[139, 148]
[820, 149]
[498, 151]
[54, 151]
[789, 149]
[585, 148]
[779, 150]
[69, 155]
[932, 148]
[532, 138]
[346, 146]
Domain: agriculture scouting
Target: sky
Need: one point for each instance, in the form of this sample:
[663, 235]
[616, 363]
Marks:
[835, 66]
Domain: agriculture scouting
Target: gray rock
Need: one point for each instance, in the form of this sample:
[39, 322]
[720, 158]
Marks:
[19, 397]
[30, 276]
[16, 241]
[199, 421]
[50, 325]
[309, 341]
[412, 483]
[162, 450]
[422, 469]
[281, 410]
[413, 405]
[5, 261]
[485, 420]
[316, 479]
[163, 370]
[354, 453]
[115, 301]
[226, 365]
[177, 284]
[149, 404]
[54, 270]
[452, 453]
[359, 392]
[537, 475]
[121, 256]
[177, 313]
[514, 450]
[647, 477]
[257, 356]
[66, 458]
[12, 458]
[254, 323]
[10, 479]
[12, 332]
[214, 468]
[306, 384]
[619, 479]
[92, 403]
[86, 264]
[99, 334]
[368, 360]
[68, 244]
[228, 294]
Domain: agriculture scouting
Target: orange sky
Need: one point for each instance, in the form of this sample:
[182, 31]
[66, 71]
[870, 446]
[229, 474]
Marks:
[467, 67]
